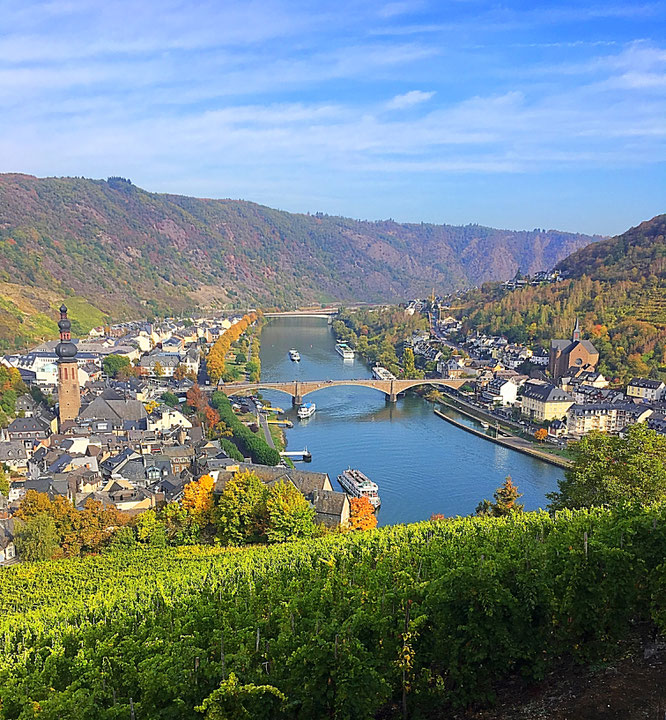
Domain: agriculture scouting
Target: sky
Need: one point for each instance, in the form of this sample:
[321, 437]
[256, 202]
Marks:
[515, 115]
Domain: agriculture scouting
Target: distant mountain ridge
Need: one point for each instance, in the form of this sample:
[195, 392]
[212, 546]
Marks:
[129, 253]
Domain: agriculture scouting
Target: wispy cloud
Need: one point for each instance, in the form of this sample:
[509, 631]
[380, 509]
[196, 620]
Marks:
[409, 99]
[272, 99]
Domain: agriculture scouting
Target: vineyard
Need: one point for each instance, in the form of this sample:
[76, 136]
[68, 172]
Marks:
[403, 620]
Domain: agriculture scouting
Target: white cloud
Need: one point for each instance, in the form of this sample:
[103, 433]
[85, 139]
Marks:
[408, 99]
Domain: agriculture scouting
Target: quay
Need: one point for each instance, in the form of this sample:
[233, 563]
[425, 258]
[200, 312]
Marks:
[509, 441]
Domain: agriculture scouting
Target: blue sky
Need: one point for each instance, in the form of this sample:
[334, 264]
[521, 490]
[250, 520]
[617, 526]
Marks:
[516, 115]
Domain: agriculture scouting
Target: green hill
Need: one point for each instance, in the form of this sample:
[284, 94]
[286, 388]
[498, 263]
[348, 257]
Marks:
[425, 617]
[617, 287]
[130, 253]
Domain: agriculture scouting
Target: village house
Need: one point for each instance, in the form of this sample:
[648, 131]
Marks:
[646, 390]
[543, 401]
[500, 391]
[331, 507]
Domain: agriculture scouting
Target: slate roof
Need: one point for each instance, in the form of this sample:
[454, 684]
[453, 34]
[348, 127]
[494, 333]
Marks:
[32, 424]
[646, 383]
[329, 505]
[305, 480]
[12, 451]
[116, 411]
[546, 393]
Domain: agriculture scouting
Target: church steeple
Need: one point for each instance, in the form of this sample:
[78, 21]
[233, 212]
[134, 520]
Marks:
[65, 349]
[69, 392]
[576, 331]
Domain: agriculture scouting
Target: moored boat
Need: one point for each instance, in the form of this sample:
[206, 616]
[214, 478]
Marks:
[344, 350]
[357, 484]
[381, 373]
[306, 410]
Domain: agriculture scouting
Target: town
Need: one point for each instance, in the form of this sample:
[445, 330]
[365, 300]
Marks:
[80, 426]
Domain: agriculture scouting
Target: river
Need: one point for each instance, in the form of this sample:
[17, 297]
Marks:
[422, 464]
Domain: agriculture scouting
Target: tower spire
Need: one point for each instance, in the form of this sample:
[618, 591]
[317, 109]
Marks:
[576, 331]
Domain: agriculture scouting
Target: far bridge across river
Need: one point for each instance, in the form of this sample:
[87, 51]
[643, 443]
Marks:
[298, 389]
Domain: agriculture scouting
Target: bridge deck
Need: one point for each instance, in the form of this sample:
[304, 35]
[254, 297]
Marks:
[299, 389]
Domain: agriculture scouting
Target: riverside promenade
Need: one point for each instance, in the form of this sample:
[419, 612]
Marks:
[510, 441]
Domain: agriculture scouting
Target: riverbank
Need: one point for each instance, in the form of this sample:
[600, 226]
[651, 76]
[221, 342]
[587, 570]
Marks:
[510, 441]
[422, 465]
[475, 413]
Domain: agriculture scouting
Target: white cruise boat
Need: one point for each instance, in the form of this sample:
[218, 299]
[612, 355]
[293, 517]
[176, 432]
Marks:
[344, 350]
[294, 355]
[381, 373]
[306, 410]
[356, 484]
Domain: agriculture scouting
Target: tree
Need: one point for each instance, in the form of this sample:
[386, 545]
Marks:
[198, 499]
[609, 470]
[114, 364]
[505, 501]
[158, 369]
[196, 399]
[290, 515]
[168, 398]
[241, 357]
[408, 363]
[362, 515]
[37, 539]
[4, 481]
[180, 373]
[541, 434]
[240, 514]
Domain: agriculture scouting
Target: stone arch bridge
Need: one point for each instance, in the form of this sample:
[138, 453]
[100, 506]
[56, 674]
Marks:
[298, 389]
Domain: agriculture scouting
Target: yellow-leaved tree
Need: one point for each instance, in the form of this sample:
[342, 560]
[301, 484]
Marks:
[198, 499]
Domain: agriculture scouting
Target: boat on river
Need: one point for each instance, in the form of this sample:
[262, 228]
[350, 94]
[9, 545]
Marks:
[306, 410]
[357, 484]
[294, 355]
[344, 350]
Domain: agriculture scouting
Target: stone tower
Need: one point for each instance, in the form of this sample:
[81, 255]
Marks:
[69, 394]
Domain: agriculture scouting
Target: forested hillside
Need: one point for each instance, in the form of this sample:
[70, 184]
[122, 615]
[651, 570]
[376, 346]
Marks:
[406, 621]
[132, 253]
[618, 289]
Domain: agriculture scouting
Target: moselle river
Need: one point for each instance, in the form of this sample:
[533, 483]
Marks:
[422, 464]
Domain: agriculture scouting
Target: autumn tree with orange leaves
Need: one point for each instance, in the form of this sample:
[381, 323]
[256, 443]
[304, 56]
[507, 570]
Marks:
[362, 516]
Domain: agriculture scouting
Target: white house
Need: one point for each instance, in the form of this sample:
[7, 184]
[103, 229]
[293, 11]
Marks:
[501, 392]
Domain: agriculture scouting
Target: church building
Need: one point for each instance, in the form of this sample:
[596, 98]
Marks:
[69, 393]
[570, 357]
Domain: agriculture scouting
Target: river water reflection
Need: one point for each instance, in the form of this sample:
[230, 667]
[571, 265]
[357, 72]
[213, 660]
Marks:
[422, 464]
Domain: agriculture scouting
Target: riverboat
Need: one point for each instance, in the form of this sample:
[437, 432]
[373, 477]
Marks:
[344, 350]
[294, 355]
[485, 425]
[356, 484]
[381, 373]
[306, 410]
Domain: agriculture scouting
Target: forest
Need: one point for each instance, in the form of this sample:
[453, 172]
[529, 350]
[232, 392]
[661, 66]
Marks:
[617, 288]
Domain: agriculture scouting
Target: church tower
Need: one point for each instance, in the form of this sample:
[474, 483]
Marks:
[576, 332]
[69, 394]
